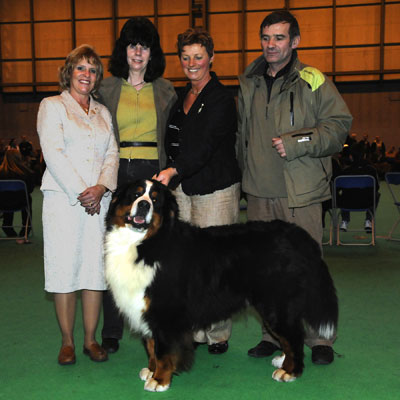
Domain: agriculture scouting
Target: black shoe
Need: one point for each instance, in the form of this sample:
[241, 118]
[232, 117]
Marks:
[110, 345]
[263, 349]
[322, 355]
[218, 348]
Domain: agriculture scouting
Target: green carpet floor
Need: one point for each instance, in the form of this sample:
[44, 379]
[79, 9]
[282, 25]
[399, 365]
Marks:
[368, 345]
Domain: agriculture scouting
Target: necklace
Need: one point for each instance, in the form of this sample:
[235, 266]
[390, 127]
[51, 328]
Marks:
[196, 93]
[84, 108]
[137, 84]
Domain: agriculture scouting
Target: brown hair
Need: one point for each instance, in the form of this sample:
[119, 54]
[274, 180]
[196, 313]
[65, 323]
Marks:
[13, 163]
[87, 53]
[195, 36]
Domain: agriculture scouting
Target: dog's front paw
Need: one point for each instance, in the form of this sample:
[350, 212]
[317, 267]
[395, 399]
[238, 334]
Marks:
[277, 361]
[145, 374]
[152, 385]
[280, 375]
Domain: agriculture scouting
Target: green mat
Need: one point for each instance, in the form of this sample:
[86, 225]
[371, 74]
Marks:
[368, 345]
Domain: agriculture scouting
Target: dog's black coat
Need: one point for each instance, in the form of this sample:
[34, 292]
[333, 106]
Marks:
[204, 275]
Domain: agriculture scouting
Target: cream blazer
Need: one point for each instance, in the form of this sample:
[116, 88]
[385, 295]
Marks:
[80, 150]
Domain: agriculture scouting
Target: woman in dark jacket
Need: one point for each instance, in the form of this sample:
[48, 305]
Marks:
[200, 146]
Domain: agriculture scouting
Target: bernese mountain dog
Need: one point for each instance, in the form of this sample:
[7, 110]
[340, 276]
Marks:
[170, 278]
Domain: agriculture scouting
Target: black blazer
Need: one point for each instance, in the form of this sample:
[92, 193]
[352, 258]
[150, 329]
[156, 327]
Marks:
[207, 159]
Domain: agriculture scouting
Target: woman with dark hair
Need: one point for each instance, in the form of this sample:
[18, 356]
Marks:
[81, 156]
[13, 167]
[200, 145]
[139, 100]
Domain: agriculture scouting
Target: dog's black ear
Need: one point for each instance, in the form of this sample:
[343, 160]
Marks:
[172, 206]
[116, 196]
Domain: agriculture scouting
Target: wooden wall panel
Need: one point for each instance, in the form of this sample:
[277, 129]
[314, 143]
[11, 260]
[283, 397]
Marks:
[20, 71]
[375, 114]
[47, 71]
[105, 61]
[14, 10]
[392, 30]
[173, 7]
[225, 39]
[315, 27]
[169, 28]
[96, 33]
[310, 3]
[349, 2]
[253, 22]
[226, 64]
[321, 59]
[16, 41]
[360, 26]
[132, 8]
[93, 8]
[173, 68]
[53, 39]
[249, 58]
[392, 60]
[354, 59]
[262, 5]
[45, 9]
[224, 6]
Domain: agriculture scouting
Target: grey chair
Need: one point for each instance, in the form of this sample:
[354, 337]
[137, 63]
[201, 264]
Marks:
[14, 197]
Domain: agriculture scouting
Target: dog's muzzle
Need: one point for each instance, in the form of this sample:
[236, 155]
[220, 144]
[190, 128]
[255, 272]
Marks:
[138, 219]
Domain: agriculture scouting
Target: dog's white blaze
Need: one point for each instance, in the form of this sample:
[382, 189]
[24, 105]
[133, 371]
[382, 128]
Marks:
[127, 278]
[326, 331]
[145, 196]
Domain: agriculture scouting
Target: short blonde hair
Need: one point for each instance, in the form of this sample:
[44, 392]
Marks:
[87, 53]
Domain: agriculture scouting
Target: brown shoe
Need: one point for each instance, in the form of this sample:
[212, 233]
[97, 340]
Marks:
[66, 355]
[95, 352]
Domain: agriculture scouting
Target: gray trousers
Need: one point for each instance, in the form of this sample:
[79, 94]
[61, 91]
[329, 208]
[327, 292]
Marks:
[218, 208]
[310, 219]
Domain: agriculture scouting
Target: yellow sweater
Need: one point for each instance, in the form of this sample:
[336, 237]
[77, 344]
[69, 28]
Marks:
[137, 121]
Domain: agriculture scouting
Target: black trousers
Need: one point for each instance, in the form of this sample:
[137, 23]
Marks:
[129, 170]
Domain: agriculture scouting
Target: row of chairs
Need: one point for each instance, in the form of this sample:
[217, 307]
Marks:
[340, 183]
[17, 186]
[345, 182]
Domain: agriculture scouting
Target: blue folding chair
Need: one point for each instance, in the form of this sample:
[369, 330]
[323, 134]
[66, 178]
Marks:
[393, 181]
[10, 187]
[345, 182]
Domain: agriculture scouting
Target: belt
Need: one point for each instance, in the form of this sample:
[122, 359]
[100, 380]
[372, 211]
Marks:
[138, 144]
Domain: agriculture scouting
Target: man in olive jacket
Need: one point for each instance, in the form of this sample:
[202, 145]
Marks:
[291, 120]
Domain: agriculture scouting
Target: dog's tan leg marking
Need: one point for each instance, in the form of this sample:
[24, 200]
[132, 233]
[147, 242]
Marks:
[147, 373]
[284, 363]
[161, 379]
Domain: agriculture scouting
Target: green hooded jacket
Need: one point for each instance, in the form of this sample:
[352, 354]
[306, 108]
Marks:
[312, 120]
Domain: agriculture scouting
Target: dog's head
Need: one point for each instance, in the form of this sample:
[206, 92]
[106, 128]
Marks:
[143, 205]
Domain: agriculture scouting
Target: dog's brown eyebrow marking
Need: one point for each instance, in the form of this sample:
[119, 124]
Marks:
[154, 194]
[140, 189]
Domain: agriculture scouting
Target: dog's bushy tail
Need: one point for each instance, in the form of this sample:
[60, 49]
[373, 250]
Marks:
[323, 311]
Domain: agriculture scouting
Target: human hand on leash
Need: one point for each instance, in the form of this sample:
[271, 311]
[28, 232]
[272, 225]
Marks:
[165, 175]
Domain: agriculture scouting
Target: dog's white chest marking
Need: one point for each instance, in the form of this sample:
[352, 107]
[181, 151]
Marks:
[127, 278]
